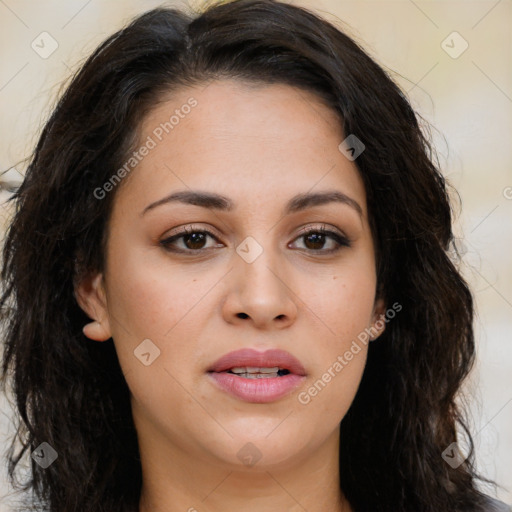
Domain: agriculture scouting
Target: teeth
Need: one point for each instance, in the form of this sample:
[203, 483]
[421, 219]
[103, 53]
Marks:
[258, 375]
[252, 369]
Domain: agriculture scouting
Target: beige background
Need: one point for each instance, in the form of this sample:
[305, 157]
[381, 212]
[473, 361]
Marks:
[467, 97]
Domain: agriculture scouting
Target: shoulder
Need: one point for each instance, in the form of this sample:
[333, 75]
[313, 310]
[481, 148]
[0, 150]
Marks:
[493, 505]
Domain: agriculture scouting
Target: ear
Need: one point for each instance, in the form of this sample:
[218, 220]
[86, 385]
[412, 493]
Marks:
[378, 321]
[91, 297]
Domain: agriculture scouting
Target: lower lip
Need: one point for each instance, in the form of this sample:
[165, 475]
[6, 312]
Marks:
[258, 391]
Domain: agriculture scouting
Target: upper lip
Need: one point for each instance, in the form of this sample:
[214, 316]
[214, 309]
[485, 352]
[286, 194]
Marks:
[254, 358]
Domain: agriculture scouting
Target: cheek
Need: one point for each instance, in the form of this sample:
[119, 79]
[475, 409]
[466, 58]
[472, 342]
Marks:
[341, 310]
[344, 300]
[161, 303]
[166, 307]
[150, 296]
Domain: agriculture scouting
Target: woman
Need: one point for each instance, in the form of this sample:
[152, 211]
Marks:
[226, 284]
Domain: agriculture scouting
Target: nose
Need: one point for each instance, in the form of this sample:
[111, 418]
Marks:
[260, 293]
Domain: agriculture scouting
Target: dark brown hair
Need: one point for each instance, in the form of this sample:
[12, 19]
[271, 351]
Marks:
[72, 394]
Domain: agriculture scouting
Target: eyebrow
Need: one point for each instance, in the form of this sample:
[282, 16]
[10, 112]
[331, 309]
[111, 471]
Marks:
[222, 203]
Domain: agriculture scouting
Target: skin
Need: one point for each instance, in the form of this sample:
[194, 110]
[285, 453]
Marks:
[259, 146]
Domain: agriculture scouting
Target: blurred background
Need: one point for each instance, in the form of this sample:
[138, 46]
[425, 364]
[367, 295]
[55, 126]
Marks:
[454, 61]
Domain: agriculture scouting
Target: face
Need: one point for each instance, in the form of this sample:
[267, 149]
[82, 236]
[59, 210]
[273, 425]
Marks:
[274, 270]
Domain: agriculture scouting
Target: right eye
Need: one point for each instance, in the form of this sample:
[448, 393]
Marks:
[192, 239]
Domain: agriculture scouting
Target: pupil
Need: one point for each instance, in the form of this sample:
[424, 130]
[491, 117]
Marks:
[318, 237]
[194, 237]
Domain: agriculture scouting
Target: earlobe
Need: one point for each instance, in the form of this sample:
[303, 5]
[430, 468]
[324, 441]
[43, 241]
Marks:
[379, 319]
[96, 331]
[91, 298]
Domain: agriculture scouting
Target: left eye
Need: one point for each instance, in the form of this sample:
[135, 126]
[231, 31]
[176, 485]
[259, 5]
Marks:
[194, 240]
[317, 237]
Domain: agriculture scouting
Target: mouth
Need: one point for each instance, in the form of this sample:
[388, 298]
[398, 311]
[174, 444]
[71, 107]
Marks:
[257, 377]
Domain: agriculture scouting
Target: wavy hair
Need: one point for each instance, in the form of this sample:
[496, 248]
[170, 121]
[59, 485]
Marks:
[71, 393]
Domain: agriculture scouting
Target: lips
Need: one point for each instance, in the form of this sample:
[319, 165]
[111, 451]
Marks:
[254, 359]
[257, 377]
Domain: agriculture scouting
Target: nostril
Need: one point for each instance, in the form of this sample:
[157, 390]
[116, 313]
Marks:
[242, 315]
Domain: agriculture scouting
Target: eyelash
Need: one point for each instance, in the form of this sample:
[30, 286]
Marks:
[342, 241]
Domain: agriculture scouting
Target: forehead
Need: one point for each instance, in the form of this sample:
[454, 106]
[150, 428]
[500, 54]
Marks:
[245, 139]
[237, 108]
